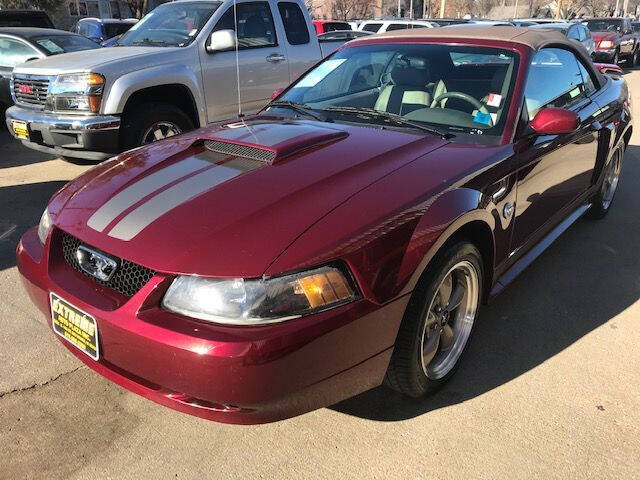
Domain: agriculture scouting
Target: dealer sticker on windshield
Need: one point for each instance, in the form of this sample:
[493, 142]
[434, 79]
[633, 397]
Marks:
[77, 327]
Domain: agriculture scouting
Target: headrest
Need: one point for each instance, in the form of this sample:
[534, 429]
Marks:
[409, 76]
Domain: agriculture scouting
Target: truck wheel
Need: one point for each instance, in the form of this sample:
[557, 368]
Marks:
[438, 322]
[150, 122]
[635, 59]
[616, 58]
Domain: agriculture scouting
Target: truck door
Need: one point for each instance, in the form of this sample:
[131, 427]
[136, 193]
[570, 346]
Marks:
[302, 51]
[262, 63]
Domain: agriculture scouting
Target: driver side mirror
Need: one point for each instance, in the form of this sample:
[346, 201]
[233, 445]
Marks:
[554, 121]
[222, 41]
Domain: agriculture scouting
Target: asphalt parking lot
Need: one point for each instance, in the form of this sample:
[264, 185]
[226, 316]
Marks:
[550, 387]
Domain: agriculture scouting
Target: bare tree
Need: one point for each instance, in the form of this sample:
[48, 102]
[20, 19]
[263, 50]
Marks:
[28, 4]
[138, 7]
[347, 9]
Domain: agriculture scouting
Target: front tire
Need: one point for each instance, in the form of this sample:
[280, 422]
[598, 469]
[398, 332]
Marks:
[635, 58]
[438, 322]
[151, 122]
[601, 202]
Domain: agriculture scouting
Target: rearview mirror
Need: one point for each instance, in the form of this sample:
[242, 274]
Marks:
[222, 41]
[555, 121]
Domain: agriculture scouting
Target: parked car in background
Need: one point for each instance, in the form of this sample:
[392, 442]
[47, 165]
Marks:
[614, 40]
[483, 23]
[102, 29]
[381, 26]
[536, 20]
[325, 26]
[636, 27]
[345, 35]
[447, 21]
[22, 44]
[174, 71]
[259, 269]
[576, 32]
[25, 18]
[522, 23]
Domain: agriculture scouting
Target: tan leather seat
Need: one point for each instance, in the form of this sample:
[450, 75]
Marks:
[407, 93]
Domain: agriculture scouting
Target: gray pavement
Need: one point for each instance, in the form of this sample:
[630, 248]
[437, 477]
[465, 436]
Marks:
[550, 387]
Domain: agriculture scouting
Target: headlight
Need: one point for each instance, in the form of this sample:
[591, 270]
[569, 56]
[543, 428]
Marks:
[606, 44]
[257, 302]
[81, 92]
[44, 226]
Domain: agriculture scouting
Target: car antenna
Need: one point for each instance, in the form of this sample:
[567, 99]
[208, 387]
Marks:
[235, 24]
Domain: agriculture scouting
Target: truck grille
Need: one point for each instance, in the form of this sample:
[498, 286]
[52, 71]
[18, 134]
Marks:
[31, 90]
[128, 278]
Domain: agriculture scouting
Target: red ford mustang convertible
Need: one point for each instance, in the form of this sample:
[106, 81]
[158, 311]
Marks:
[342, 238]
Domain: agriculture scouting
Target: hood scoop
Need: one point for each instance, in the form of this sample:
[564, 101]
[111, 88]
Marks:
[270, 141]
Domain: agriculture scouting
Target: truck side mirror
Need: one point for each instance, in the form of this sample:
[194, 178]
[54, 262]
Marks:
[222, 41]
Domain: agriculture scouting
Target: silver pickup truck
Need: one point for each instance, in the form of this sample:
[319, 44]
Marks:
[173, 71]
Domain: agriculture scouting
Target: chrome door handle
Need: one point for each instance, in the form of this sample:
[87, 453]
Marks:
[276, 57]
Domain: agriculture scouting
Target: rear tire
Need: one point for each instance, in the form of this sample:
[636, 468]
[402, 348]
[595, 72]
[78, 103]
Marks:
[602, 201]
[616, 58]
[150, 122]
[635, 58]
[434, 333]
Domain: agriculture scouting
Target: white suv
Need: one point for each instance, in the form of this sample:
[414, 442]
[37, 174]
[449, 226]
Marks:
[381, 26]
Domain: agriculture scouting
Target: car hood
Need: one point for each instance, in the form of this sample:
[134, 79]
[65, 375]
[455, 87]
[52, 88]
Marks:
[599, 36]
[91, 60]
[228, 200]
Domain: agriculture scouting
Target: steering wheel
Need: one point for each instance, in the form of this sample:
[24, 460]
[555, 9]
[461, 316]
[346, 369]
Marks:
[462, 96]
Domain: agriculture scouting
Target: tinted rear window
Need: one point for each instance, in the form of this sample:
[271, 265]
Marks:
[330, 27]
[24, 19]
[115, 29]
[372, 27]
[295, 25]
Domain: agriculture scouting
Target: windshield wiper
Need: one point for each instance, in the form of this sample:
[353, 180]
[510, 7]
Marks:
[300, 108]
[397, 119]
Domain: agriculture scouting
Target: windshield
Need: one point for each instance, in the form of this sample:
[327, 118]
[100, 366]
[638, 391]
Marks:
[452, 88]
[174, 24]
[604, 25]
[56, 44]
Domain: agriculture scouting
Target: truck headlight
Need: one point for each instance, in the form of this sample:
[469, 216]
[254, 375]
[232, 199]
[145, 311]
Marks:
[80, 92]
[44, 227]
[605, 44]
[240, 301]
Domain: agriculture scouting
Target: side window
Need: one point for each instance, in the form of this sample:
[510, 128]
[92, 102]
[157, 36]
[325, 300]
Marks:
[372, 27]
[255, 25]
[554, 80]
[295, 26]
[574, 33]
[589, 86]
[13, 52]
[397, 26]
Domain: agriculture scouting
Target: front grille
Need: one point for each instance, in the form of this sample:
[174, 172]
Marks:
[35, 89]
[236, 150]
[128, 278]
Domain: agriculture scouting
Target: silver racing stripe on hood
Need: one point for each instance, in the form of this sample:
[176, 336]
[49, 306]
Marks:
[178, 194]
[131, 195]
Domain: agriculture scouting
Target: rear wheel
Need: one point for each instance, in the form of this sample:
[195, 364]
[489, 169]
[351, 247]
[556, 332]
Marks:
[151, 122]
[616, 58]
[601, 202]
[635, 59]
[438, 322]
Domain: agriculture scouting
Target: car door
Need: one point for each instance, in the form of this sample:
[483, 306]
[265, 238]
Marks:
[263, 63]
[302, 53]
[13, 51]
[555, 170]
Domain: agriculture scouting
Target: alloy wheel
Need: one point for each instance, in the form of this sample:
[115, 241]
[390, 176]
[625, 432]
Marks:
[611, 178]
[450, 318]
[159, 131]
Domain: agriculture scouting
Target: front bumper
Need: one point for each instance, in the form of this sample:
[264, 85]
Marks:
[93, 137]
[605, 56]
[228, 374]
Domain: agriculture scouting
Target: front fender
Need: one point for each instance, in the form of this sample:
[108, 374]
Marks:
[167, 74]
[446, 216]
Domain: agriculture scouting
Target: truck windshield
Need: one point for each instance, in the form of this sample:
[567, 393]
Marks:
[174, 24]
[604, 25]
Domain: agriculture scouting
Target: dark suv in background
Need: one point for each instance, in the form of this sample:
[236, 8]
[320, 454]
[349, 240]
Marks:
[102, 29]
[25, 18]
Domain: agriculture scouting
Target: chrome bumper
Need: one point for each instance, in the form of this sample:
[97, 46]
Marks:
[93, 137]
[64, 123]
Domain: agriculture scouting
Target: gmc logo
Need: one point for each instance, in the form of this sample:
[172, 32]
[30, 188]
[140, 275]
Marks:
[25, 89]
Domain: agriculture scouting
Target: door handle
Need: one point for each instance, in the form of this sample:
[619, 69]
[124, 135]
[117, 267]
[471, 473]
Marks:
[275, 58]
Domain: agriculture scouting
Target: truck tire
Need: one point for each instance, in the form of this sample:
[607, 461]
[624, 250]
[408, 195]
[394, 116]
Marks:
[149, 122]
[616, 58]
[635, 58]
